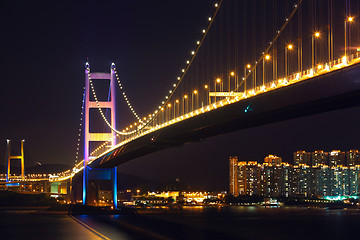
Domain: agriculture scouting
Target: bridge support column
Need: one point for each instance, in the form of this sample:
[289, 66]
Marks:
[90, 173]
[114, 186]
[85, 185]
[10, 157]
[91, 190]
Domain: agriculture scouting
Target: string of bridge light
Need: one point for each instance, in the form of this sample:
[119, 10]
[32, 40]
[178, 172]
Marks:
[193, 53]
[100, 110]
[80, 127]
[78, 167]
[124, 94]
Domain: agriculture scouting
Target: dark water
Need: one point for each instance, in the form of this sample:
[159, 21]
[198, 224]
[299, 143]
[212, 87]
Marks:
[190, 223]
[239, 223]
[266, 223]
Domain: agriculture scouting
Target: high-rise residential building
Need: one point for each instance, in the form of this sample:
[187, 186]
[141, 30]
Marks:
[273, 159]
[233, 176]
[249, 178]
[302, 157]
[319, 157]
[276, 179]
[273, 179]
[337, 181]
[337, 158]
[304, 177]
[352, 158]
[354, 180]
[321, 182]
[242, 177]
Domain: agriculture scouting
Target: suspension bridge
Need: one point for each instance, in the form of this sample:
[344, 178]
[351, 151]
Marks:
[255, 62]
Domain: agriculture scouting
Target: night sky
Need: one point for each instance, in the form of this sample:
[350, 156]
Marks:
[44, 47]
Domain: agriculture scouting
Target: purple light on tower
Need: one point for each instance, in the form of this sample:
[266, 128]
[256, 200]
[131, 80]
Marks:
[88, 137]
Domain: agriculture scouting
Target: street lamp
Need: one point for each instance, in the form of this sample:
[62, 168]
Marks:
[185, 97]
[218, 80]
[177, 103]
[207, 92]
[194, 93]
[248, 66]
[315, 35]
[288, 47]
[267, 57]
[349, 19]
[161, 115]
[169, 110]
[232, 74]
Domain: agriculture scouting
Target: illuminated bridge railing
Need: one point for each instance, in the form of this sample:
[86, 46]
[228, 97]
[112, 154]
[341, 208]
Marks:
[321, 69]
[28, 178]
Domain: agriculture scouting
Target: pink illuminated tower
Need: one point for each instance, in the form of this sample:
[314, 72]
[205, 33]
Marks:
[98, 137]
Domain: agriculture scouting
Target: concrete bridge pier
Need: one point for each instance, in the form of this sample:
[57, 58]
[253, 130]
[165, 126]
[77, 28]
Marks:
[93, 179]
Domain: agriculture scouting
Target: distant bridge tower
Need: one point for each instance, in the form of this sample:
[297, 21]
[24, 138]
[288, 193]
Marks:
[105, 174]
[10, 157]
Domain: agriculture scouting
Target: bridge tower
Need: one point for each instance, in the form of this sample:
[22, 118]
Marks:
[10, 157]
[91, 173]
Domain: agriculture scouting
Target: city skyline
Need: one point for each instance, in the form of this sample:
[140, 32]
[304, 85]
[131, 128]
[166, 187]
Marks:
[324, 175]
